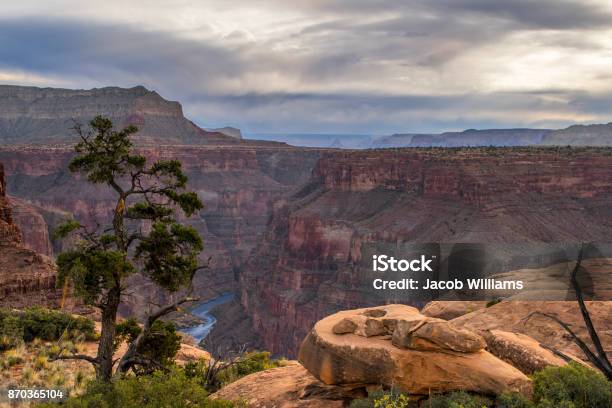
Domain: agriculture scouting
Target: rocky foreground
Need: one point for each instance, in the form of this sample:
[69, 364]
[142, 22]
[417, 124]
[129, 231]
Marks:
[396, 346]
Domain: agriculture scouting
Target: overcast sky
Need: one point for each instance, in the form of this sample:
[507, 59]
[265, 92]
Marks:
[342, 66]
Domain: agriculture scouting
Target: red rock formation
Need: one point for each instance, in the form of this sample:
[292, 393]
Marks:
[26, 277]
[9, 233]
[237, 185]
[314, 259]
[33, 226]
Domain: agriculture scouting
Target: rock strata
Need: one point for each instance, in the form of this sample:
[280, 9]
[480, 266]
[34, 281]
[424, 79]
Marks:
[290, 386]
[517, 317]
[520, 350]
[355, 358]
[27, 278]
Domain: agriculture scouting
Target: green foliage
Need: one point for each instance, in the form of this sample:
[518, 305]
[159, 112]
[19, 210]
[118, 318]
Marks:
[383, 399]
[161, 343]
[92, 271]
[572, 386]
[392, 401]
[105, 152]
[513, 400]
[11, 330]
[66, 229]
[43, 324]
[169, 254]
[157, 390]
[250, 363]
[458, 399]
[126, 331]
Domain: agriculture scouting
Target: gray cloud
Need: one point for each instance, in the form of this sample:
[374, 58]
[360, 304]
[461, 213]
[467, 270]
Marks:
[342, 65]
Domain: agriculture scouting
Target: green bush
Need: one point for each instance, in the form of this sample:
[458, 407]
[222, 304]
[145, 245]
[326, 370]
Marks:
[512, 400]
[382, 399]
[571, 386]
[41, 323]
[11, 330]
[458, 399]
[161, 343]
[157, 390]
[252, 362]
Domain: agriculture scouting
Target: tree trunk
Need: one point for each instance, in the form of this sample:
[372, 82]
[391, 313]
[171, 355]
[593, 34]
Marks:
[104, 370]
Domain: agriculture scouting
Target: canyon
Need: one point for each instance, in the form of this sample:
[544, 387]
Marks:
[291, 231]
[481, 211]
[236, 184]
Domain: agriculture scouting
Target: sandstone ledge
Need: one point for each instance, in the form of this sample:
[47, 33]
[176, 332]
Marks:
[351, 359]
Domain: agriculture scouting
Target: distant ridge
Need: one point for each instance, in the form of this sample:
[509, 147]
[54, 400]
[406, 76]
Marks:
[576, 135]
[31, 115]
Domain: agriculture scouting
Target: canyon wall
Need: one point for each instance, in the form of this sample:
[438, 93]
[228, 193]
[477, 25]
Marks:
[237, 184]
[27, 277]
[531, 205]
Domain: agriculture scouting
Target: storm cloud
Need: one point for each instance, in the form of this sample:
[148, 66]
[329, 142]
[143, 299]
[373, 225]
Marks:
[351, 66]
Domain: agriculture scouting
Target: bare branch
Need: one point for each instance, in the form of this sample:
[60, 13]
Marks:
[84, 357]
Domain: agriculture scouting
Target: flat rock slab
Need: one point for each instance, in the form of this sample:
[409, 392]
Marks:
[351, 359]
[291, 386]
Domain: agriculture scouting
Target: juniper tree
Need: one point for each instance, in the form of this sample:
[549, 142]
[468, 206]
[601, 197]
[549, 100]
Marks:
[144, 237]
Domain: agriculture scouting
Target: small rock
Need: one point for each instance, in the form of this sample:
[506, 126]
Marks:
[446, 336]
[344, 326]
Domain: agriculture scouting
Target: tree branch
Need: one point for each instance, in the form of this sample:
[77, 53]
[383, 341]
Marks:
[84, 357]
[585, 313]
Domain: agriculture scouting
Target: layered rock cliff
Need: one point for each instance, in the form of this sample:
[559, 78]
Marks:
[478, 210]
[27, 277]
[237, 184]
[30, 115]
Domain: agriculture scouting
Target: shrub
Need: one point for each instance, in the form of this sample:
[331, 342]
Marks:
[41, 362]
[161, 343]
[250, 363]
[572, 386]
[512, 400]
[213, 376]
[382, 399]
[14, 356]
[172, 389]
[11, 329]
[49, 325]
[45, 324]
[392, 401]
[458, 399]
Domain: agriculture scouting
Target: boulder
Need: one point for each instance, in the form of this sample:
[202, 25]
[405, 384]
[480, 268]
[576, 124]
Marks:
[352, 359]
[291, 386]
[517, 317]
[434, 334]
[448, 310]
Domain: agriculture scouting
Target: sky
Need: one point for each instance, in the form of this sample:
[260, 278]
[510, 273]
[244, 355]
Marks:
[336, 66]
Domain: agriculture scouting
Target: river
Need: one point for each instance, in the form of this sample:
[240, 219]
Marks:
[202, 311]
